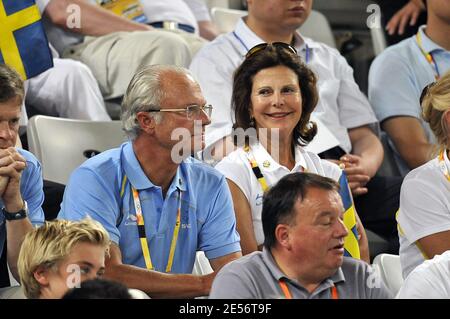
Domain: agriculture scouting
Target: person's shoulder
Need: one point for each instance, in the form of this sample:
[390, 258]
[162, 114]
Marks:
[428, 171]
[235, 157]
[353, 263]
[244, 264]
[29, 157]
[399, 52]
[221, 48]
[197, 170]
[356, 268]
[324, 51]
[105, 165]
[108, 157]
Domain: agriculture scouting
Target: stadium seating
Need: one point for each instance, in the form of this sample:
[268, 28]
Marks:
[61, 145]
[390, 271]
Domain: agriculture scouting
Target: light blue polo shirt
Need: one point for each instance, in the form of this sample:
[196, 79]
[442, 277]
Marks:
[207, 216]
[31, 189]
[397, 78]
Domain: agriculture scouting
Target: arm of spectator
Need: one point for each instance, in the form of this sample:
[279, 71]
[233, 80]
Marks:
[409, 139]
[363, 163]
[435, 244]
[244, 222]
[408, 14]
[208, 30]
[218, 263]
[92, 18]
[156, 284]
[11, 166]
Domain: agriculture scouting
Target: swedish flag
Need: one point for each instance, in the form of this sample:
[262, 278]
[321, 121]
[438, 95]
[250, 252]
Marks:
[23, 44]
[351, 246]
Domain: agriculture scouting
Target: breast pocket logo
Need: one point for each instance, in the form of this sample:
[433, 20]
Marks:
[131, 220]
[259, 200]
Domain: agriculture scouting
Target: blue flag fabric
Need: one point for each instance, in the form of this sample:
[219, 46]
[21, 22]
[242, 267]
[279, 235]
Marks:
[23, 43]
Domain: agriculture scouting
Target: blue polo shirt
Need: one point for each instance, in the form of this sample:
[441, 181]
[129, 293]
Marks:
[207, 216]
[31, 190]
[397, 78]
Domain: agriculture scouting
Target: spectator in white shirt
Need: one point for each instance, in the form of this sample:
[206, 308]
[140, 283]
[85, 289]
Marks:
[424, 216]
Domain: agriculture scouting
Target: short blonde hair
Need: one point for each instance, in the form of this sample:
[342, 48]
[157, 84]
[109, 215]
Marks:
[436, 101]
[52, 243]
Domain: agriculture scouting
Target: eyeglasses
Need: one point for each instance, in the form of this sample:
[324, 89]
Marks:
[193, 112]
[263, 46]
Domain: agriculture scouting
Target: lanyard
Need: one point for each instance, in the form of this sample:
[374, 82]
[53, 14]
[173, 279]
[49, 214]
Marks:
[443, 166]
[257, 171]
[428, 56]
[307, 54]
[143, 237]
[287, 293]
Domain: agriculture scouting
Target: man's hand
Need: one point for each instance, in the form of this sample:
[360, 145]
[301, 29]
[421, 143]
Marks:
[357, 175]
[11, 166]
[409, 13]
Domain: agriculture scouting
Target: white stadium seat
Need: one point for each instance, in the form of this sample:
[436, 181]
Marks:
[61, 145]
[390, 271]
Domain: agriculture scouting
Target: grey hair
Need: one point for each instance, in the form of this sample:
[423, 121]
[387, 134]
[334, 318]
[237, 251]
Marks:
[145, 93]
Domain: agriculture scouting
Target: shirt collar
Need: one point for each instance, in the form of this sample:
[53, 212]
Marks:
[263, 158]
[446, 160]
[427, 44]
[278, 274]
[136, 175]
[248, 39]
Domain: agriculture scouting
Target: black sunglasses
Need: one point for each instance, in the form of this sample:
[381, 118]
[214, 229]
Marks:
[425, 91]
[262, 46]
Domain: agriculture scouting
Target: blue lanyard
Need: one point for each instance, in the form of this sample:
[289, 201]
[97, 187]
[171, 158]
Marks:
[307, 55]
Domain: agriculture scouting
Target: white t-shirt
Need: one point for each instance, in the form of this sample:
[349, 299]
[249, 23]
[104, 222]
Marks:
[424, 210]
[236, 167]
[430, 280]
[342, 105]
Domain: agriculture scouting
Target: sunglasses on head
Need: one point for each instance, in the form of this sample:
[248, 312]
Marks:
[425, 91]
[262, 46]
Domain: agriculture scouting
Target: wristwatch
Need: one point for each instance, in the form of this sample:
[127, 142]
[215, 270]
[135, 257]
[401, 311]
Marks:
[21, 214]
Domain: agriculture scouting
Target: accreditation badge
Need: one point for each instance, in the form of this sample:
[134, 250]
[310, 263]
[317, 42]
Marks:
[129, 9]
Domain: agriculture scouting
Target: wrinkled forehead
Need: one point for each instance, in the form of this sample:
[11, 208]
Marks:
[181, 89]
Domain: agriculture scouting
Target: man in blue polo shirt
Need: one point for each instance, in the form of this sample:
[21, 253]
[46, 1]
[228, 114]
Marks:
[397, 78]
[158, 204]
[21, 194]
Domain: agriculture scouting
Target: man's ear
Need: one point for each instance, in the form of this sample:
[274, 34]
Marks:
[41, 275]
[146, 122]
[282, 235]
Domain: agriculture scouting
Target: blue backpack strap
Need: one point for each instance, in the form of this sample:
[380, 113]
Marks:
[122, 193]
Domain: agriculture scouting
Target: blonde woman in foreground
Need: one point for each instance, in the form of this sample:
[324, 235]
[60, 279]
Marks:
[424, 216]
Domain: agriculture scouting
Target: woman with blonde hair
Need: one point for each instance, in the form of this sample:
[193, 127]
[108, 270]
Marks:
[424, 215]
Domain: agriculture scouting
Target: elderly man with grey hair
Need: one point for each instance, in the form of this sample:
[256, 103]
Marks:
[158, 204]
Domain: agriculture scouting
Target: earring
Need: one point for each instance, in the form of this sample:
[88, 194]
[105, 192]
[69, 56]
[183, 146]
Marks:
[252, 121]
